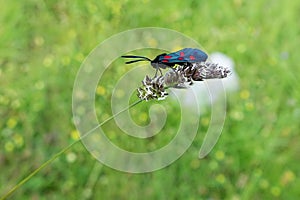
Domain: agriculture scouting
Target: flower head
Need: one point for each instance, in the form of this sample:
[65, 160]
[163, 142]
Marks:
[209, 70]
[179, 77]
[153, 88]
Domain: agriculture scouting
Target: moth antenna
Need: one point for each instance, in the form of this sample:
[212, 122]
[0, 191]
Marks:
[132, 56]
[133, 61]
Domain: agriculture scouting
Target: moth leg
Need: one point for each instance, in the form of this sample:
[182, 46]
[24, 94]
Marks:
[158, 69]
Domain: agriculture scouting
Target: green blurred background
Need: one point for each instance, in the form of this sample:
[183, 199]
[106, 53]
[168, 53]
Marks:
[43, 44]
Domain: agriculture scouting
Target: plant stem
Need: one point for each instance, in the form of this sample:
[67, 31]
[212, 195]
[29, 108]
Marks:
[28, 177]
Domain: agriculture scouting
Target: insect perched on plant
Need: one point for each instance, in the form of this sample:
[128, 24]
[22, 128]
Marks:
[162, 61]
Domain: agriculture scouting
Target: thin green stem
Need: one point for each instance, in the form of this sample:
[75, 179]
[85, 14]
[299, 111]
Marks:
[28, 177]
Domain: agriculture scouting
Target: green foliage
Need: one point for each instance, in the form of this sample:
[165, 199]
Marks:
[43, 44]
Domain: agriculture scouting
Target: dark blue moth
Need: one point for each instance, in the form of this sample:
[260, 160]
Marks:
[186, 55]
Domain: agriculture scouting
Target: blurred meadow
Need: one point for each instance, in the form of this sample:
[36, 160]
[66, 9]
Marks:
[43, 44]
